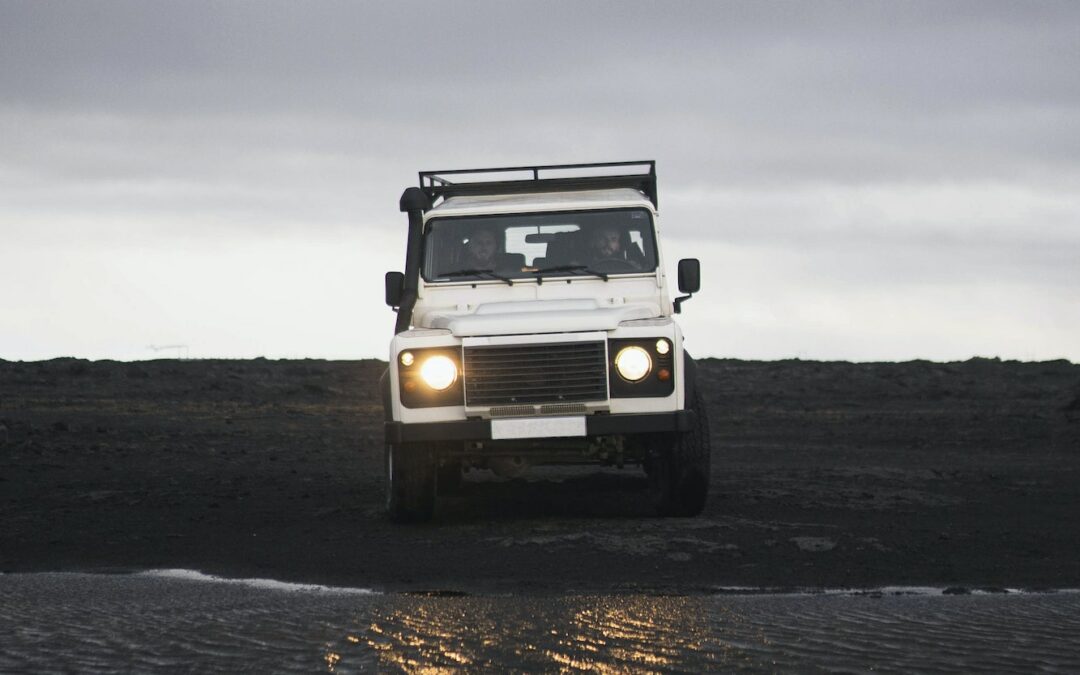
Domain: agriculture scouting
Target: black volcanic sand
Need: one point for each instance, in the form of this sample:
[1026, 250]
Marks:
[824, 475]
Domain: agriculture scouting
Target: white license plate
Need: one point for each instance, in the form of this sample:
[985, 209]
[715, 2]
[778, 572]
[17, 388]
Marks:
[538, 427]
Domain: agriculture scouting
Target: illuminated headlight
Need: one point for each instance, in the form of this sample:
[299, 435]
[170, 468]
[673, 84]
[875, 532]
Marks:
[633, 363]
[407, 359]
[439, 372]
[662, 346]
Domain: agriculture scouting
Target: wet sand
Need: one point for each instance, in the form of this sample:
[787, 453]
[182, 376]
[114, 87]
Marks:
[824, 475]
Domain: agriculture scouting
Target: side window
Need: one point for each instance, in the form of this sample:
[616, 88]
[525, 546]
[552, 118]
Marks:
[641, 249]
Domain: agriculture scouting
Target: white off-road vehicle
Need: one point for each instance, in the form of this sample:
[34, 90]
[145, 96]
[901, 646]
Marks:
[534, 326]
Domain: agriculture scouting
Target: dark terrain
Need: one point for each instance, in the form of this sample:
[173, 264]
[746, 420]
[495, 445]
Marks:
[824, 475]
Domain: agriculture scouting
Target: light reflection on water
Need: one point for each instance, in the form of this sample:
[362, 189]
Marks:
[108, 623]
[606, 633]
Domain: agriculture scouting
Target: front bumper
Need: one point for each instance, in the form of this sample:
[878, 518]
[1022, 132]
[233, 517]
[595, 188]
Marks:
[595, 425]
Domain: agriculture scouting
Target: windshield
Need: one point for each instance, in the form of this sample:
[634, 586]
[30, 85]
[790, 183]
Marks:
[531, 245]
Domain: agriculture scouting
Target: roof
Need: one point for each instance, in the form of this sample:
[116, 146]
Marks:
[578, 200]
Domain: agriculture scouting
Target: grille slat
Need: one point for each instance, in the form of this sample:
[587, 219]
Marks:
[537, 347]
[540, 373]
[517, 393]
[513, 380]
[534, 381]
[516, 359]
[549, 365]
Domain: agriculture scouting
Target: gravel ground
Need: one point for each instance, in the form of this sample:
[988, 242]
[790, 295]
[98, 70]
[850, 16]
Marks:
[824, 475]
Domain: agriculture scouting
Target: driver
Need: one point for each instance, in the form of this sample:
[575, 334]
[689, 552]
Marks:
[606, 244]
[481, 250]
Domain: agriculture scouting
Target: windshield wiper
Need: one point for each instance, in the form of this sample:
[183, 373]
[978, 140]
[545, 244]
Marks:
[576, 269]
[491, 274]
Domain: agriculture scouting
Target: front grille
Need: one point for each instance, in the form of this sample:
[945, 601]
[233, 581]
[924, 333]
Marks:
[563, 409]
[512, 410]
[529, 410]
[535, 373]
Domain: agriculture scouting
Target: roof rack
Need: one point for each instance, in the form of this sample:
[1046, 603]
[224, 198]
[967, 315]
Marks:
[435, 184]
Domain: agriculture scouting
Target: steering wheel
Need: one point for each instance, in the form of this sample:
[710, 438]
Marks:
[616, 265]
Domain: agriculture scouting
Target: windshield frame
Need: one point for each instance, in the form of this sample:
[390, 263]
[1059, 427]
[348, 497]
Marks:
[535, 275]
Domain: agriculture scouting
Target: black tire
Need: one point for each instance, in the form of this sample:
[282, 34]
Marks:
[448, 477]
[410, 483]
[679, 469]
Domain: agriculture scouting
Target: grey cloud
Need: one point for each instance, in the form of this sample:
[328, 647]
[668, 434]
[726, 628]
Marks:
[281, 113]
[748, 92]
[292, 56]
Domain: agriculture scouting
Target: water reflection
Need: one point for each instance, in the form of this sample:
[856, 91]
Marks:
[609, 634]
[332, 659]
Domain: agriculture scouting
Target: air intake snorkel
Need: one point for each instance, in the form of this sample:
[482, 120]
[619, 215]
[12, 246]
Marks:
[414, 202]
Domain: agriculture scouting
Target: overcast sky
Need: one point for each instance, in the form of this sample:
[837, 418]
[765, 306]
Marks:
[860, 181]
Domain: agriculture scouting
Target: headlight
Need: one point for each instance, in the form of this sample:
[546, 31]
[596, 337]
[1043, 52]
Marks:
[430, 377]
[633, 363]
[641, 367]
[439, 372]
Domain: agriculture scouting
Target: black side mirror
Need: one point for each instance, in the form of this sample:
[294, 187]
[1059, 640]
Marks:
[689, 281]
[689, 275]
[395, 288]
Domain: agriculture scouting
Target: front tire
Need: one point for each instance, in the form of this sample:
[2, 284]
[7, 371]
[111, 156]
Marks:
[410, 483]
[679, 469]
[448, 477]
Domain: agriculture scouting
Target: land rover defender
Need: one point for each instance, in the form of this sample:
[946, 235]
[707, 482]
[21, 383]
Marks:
[534, 326]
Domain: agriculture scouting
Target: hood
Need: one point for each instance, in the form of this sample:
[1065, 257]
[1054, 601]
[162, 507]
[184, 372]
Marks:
[546, 316]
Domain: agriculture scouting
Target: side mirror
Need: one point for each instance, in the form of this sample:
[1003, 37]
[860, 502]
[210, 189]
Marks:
[395, 288]
[689, 275]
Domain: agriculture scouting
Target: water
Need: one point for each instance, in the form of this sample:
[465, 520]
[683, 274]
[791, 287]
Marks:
[187, 622]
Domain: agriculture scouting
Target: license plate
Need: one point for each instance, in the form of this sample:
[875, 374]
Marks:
[538, 427]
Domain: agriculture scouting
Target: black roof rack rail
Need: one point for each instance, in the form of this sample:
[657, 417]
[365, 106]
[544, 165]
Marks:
[435, 184]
